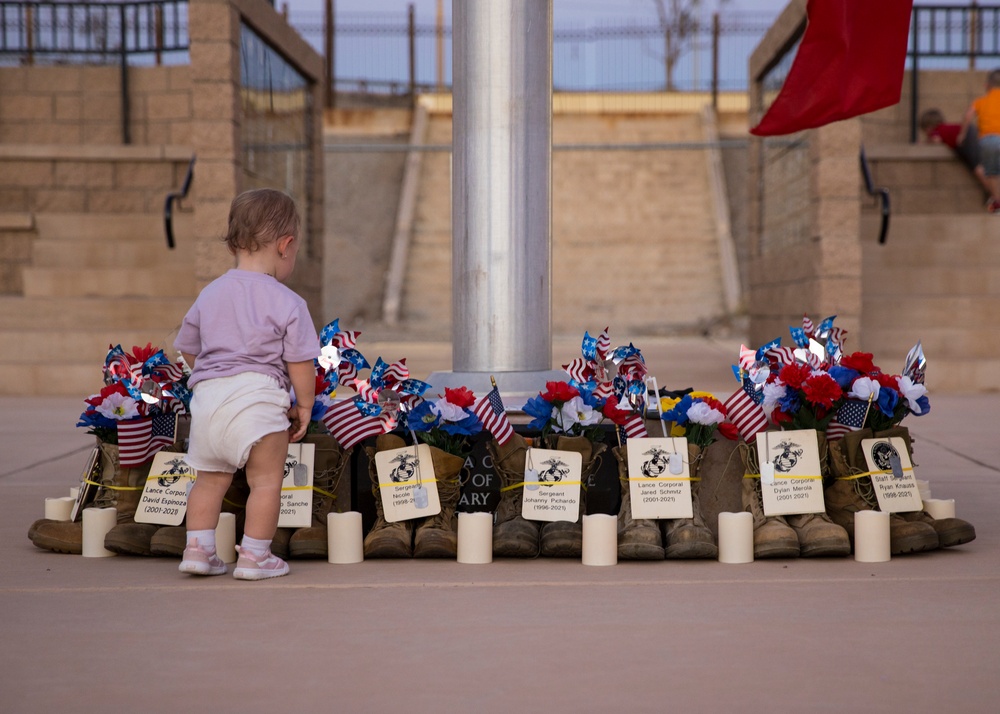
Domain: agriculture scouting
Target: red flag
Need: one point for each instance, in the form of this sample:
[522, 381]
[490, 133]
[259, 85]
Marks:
[850, 62]
[491, 413]
[745, 413]
[140, 439]
[348, 425]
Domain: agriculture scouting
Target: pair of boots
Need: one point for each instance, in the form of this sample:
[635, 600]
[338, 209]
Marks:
[331, 492]
[120, 488]
[432, 537]
[516, 537]
[913, 532]
[647, 539]
[809, 535]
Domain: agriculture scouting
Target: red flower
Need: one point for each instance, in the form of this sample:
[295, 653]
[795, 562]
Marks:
[794, 375]
[115, 388]
[887, 380]
[859, 362]
[821, 390]
[612, 412]
[729, 430]
[559, 392]
[714, 404]
[780, 417]
[460, 397]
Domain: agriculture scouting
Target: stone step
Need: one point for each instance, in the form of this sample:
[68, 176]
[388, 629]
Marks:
[41, 380]
[932, 280]
[920, 312]
[911, 230]
[77, 347]
[168, 281]
[940, 343]
[96, 226]
[107, 252]
[91, 313]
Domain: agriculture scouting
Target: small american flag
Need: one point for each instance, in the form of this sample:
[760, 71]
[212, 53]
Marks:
[348, 425]
[745, 412]
[634, 428]
[140, 439]
[850, 417]
[491, 413]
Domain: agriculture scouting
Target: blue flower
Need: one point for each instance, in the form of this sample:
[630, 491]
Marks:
[844, 376]
[92, 419]
[540, 409]
[466, 427]
[679, 414]
[887, 399]
[423, 418]
[791, 402]
[925, 406]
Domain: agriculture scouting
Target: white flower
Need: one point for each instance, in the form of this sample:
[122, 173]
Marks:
[448, 411]
[911, 393]
[863, 388]
[773, 391]
[701, 413]
[118, 406]
[573, 412]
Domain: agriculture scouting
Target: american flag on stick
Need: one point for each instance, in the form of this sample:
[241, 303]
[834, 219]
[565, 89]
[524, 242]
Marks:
[744, 411]
[850, 417]
[348, 425]
[634, 428]
[491, 413]
[140, 439]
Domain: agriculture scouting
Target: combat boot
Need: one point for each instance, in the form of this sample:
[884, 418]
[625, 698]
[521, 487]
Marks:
[170, 541]
[772, 536]
[386, 540]
[437, 536]
[331, 492]
[514, 536]
[120, 488]
[563, 539]
[950, 531]
[849, 493]
[818, 535]
[720, 474]
[638, 538]
[690, 538]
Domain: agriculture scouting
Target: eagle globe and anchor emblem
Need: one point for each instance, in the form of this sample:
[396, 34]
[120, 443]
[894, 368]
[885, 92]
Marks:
[789, 456]
[177, 467]
[555, 471]
[659, 463]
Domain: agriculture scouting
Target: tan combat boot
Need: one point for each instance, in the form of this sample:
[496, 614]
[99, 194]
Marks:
[772, 536]
[331, 492]
[720, 486]
[690, 538]
[513, 535]
[562, 539]
[950, 531]
[437, 536]
[121, 488]
[818, 535]
[638, 538]
[845, 496]
[386, 540]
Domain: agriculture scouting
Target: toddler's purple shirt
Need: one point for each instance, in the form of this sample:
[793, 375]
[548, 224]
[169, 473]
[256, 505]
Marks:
[247, 322]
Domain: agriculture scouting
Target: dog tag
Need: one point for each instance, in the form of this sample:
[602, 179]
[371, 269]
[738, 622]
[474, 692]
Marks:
[531, 479]
[767, 473]
[300, 475]
[676, 464]
[896, 465]
[420, 497]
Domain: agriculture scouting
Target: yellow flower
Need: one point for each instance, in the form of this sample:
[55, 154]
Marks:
[677, 430]
[668, 403]
[701, 395]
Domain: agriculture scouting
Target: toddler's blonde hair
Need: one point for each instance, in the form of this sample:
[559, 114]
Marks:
[259, 217]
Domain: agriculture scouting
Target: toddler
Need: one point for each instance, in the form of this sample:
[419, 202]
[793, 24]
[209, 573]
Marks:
[247, 339]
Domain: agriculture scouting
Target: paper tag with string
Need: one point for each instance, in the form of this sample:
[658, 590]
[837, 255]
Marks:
[296, 487]
[659, 478]
[892, 475]
[164, 498]
[553, 492]
[407, 484]
[796, 485]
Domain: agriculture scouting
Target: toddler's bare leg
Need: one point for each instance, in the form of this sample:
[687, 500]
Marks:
[205, 500]
[265, 471]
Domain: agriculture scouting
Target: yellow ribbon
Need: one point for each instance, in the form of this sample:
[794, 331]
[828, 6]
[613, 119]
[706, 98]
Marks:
[776, 476]
[113, 488]
[665, 478]
[540, 483]
[400, 485]
[870, 473]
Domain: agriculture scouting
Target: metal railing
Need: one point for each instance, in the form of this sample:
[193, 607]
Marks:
[881, 193]
[172, 197]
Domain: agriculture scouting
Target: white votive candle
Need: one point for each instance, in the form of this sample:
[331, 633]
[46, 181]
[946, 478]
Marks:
[225, 537]
[74, 492]
[940, 507]
[96, 524]
[923, 488]
[345, 538]
[600, 539]
[59, 509]
[736, 537]
[475, 538]
[871, 537]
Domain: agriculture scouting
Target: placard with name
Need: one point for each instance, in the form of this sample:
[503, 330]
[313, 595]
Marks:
[659, 478]
[164, 499]
[551, 485]
[92, 473]
[296, 487]
[791, 480]
[407, 484]
[892, 475]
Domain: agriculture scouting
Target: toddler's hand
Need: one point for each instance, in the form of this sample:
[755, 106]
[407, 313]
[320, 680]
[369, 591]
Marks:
[299, 416]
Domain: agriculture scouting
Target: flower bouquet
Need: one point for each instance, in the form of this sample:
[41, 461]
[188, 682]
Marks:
[698, 416]
[446, 423]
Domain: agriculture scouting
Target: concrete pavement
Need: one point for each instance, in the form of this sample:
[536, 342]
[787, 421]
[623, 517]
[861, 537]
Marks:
[917, 634]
